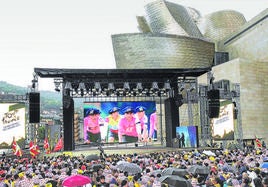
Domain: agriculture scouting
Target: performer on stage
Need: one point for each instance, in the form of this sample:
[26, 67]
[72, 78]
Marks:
[92, 125]
[141, 121]
[112, 122]
[153, 126]
[127, 127]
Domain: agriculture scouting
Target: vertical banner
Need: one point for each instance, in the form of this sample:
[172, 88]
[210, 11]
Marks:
[12, 123]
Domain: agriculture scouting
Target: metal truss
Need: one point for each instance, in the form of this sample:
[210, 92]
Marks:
[226, 93]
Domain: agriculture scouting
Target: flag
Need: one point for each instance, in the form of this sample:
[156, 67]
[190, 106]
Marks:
[46, 146]
[14, 144]
[18, 151]
[58, 146]
[258, 142]
[16, 148]
[34, 149]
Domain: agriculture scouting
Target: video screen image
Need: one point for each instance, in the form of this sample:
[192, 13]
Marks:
[187, 136]
[223, 126]
[124, 121]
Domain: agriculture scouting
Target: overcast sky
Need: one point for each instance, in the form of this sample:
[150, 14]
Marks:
[77, 33]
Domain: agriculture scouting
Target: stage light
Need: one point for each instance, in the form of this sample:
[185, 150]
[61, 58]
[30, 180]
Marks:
[126, 86]
[97, 86]
[68, 85]
[33, 84]
[155, 86]
[81, 86]
[110, 86]
[57, 83]
[88, 88]
[192, 87]
[181, 87]
[34, 81]
[167, 86]
[139, 86]
[211, 80]
[75, 87]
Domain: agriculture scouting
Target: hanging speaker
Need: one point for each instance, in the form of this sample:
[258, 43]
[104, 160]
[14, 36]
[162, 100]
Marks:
[34, 107]
[68, 123]
[172, 120]
[213, 103]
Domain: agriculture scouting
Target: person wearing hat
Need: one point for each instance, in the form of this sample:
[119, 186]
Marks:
[112, 121]
[92, 125]
[153, 126]
[142, 123]
[127, 131]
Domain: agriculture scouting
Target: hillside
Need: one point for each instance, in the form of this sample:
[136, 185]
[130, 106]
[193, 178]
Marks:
[48, 100]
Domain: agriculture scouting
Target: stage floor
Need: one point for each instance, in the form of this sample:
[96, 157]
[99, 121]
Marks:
[126, 148]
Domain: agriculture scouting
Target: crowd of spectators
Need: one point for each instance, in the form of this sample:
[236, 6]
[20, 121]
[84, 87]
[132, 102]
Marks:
[239, 168]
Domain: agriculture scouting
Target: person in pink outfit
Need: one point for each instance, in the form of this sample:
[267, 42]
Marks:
[92, 125]
[127, 127]
[153, 126]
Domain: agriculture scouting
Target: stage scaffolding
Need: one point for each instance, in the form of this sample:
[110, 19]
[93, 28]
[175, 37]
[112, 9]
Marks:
[125, 84]
[145, 84]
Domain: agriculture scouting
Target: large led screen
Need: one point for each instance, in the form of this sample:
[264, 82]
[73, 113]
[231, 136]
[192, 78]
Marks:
[12, 123]
[186, 136]
[223, 126]
[121, 125]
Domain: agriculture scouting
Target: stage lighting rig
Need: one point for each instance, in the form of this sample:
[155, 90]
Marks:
[34, 82]
[167, 86]
[139, 86]
[57, 83]
[81, 88]
[126, 86]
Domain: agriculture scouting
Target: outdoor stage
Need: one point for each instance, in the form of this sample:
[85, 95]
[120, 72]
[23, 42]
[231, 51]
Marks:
[127, 148]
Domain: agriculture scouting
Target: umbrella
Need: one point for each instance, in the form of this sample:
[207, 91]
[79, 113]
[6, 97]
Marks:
[264, 165]
[96, 167]
[175, 171]
[131, 168]
[121, 162]
[197, 169]
[76, 180]
[158, 171]
[228, 168]
[89, 158]
[209, 153]
[175, 180]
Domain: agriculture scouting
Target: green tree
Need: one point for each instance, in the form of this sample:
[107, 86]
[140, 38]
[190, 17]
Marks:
[41, 133]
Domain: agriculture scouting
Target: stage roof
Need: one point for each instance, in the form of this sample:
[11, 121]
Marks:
[112, 74]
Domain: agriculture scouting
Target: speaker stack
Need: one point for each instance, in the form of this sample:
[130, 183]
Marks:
[213, 103]
[172, 120]
[34, 107]
[68, 123]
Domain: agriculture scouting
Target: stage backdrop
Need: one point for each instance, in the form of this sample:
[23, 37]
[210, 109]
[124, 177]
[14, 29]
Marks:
[104, 107]
[186, 136]
[12, 123]
[223, 126]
